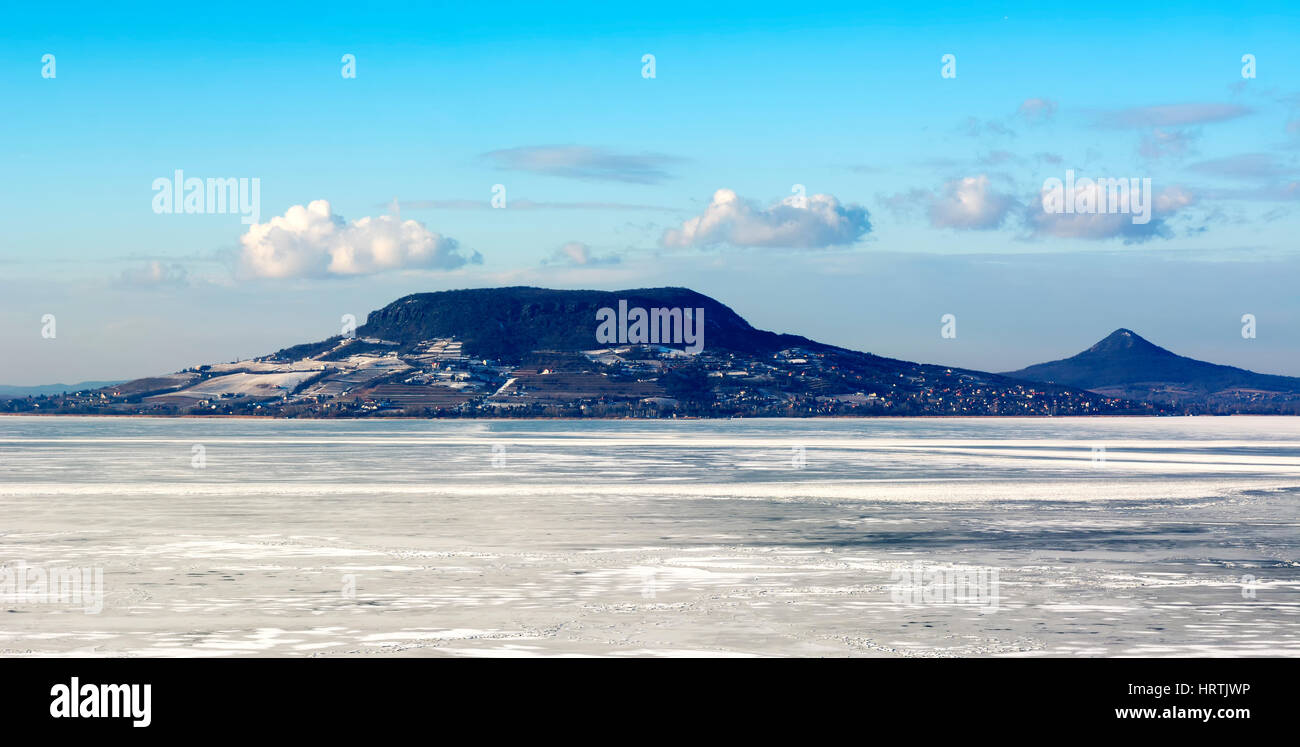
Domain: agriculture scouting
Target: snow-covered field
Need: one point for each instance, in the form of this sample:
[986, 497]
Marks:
[251, 384]
[1049, 537]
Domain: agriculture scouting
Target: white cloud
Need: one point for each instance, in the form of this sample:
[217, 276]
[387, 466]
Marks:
[1111, 225]
[578, 254]
[313, 242]
[820, 221]
[969, 203]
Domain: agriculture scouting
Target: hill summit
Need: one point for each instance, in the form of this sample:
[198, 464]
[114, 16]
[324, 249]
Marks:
[1126, 364]
[507, 323]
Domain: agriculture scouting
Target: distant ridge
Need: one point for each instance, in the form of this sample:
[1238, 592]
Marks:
[1126, 364]
[535, 352]
[7, 391]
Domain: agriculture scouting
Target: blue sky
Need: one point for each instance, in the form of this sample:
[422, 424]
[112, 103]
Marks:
[930, 183]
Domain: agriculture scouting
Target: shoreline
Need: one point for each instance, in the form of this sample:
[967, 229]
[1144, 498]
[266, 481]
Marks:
[578, 420]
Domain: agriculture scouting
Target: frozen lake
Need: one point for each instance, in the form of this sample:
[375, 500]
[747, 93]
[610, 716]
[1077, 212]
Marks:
[1058, 537]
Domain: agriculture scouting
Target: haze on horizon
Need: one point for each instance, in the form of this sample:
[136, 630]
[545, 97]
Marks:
[813, 169]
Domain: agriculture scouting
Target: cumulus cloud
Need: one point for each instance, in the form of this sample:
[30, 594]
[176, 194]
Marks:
[969, 203]
[1114, 224]
[1037, 110]
[811, 222]
[584, 162]
[312, 241]
[578, 254]
[973, 204]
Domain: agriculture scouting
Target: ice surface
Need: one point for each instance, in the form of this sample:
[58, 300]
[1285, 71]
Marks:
[1110, 537]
